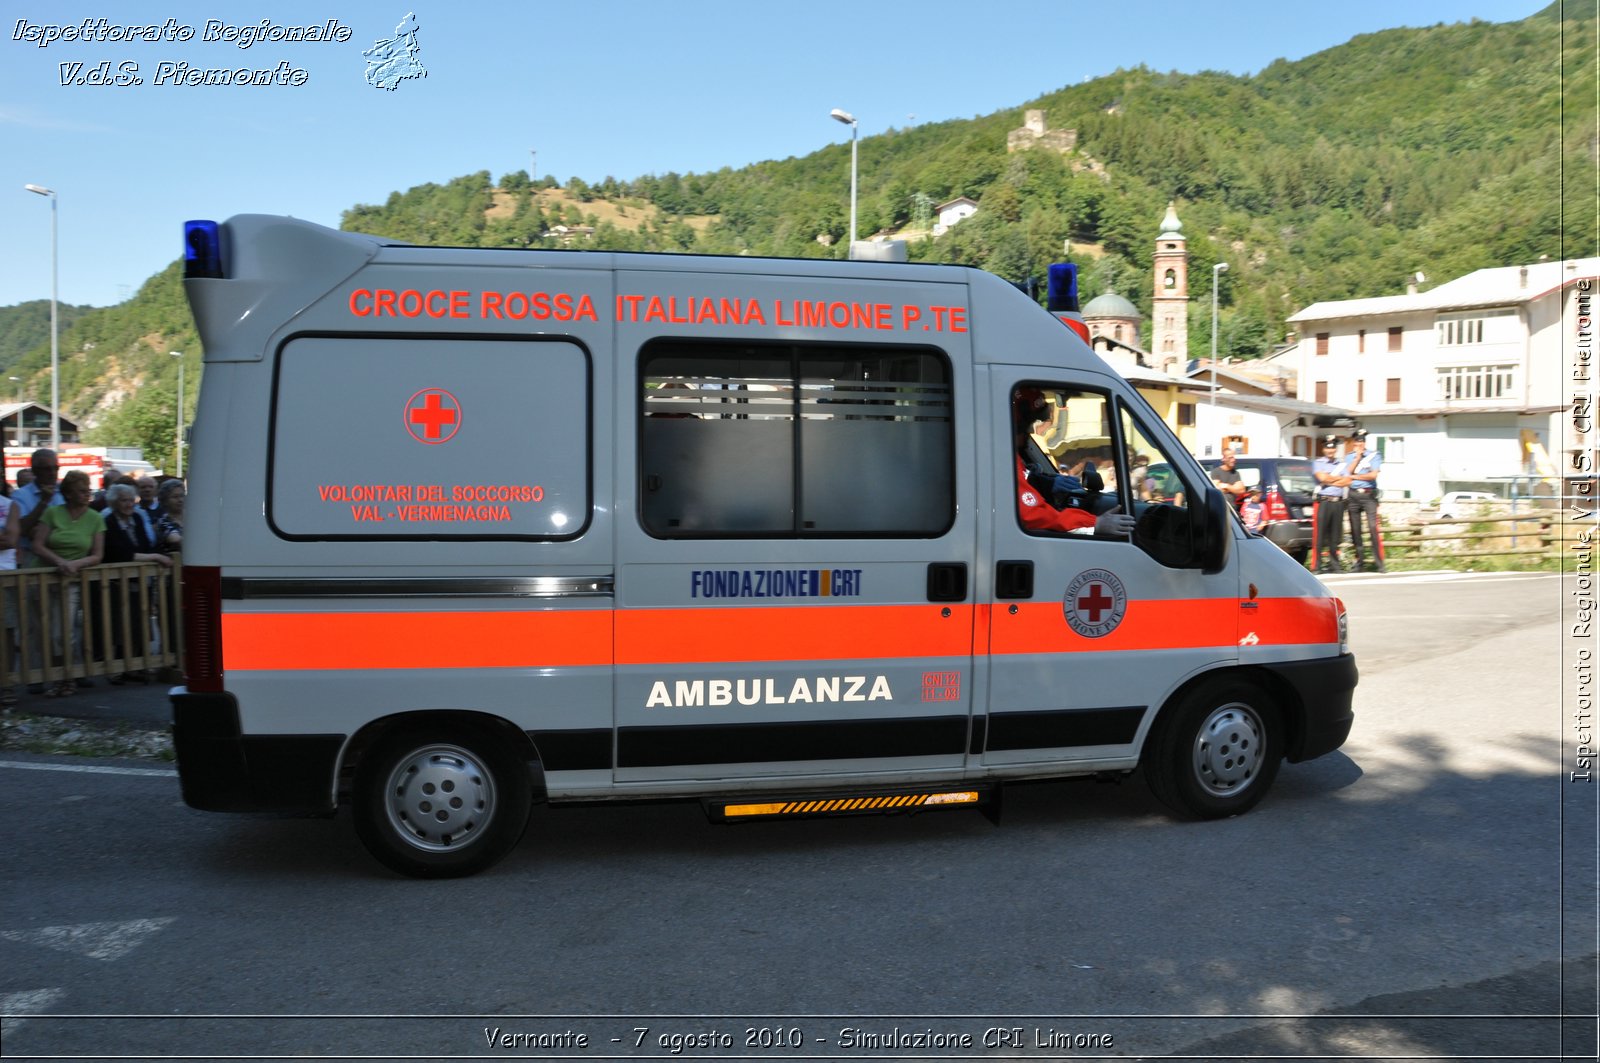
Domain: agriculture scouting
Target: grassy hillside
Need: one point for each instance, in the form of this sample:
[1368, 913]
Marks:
[118, 377]
[1442, 149]
[26, 327]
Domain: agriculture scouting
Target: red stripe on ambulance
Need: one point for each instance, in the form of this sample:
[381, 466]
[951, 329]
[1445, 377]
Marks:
[584, 638]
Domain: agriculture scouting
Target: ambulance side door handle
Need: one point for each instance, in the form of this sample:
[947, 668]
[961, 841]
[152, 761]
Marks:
[1013, 579]
[947, 581]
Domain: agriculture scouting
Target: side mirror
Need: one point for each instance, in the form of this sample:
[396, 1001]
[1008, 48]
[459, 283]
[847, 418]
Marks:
[1195, 536]
[1213, 533]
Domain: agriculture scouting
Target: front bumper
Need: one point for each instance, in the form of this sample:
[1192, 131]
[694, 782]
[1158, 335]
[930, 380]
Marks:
[1326, 691]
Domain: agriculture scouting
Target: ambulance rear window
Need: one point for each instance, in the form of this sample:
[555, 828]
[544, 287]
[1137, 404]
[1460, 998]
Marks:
[436, 438]
[787, 440]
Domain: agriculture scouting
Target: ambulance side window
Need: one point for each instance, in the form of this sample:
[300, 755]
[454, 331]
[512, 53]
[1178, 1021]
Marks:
[438, 439]
[1163, 496]
[1066, 461]
[793, 441]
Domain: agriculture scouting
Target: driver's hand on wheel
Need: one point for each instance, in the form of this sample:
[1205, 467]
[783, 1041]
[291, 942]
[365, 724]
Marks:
[1114, 523]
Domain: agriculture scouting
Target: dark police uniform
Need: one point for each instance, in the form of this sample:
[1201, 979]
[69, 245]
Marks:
[1330, 505]
[1362, 503]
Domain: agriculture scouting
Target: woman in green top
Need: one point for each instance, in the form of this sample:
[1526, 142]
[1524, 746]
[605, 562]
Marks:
[70, 537]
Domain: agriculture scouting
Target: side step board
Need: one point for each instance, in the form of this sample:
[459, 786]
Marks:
[853, 803]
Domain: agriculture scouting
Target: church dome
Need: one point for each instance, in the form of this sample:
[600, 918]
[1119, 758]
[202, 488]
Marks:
[1110, 305]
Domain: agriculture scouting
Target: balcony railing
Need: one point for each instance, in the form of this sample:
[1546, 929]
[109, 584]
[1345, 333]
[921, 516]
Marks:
[1478, 383]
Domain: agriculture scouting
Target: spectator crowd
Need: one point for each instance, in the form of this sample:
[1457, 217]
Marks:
[69, 526]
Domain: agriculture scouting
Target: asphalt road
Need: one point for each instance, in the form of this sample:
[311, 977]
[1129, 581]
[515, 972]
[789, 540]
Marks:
[1411, 895]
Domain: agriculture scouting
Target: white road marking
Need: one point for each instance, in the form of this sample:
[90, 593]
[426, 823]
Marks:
[98, 941]
[92, 769]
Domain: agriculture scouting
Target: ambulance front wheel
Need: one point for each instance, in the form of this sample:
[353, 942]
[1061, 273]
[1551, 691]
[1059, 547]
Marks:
[1216, 751]
[440, 804]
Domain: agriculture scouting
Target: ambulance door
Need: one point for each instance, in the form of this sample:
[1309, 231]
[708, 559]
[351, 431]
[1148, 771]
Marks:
[1090, 633]
[795, 583]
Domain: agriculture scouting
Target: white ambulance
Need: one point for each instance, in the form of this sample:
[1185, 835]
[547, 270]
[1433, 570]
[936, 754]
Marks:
[473, 528]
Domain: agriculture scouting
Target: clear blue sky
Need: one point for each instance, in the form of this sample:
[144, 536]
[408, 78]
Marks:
[621, 89]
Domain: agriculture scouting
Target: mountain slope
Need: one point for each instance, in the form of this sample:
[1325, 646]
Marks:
[1439, 149]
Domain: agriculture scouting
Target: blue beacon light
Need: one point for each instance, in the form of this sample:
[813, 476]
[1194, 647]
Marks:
[1062, 294]
[202, 249]
[1061, 299]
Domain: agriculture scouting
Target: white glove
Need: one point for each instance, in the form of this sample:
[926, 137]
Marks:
[1114, 523]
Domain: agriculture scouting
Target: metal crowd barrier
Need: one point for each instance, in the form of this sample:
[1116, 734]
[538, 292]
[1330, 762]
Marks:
[102, 621]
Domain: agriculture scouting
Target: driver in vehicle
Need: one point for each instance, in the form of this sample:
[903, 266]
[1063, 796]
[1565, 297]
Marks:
[1047, 498]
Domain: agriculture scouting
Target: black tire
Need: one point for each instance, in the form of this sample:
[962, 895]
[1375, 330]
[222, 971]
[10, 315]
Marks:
[1216, 750]
[441, 803]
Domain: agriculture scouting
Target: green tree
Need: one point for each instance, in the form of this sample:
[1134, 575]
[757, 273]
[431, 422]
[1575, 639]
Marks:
[1008, 257]
[1004, 202]
[1110, 273]
[147, 420]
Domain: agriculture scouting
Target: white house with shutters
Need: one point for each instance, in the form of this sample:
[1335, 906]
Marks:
[1463, 387]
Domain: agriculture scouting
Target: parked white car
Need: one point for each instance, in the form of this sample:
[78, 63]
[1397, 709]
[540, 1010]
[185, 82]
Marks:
[1454, 503]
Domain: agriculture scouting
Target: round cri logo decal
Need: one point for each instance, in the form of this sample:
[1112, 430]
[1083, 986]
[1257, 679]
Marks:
[433, 415]
[1094, 603]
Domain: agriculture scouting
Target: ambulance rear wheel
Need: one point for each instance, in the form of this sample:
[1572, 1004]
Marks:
[1216, 751]
[441, 804]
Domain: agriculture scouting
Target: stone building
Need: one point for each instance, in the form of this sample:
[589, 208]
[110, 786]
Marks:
[1035, 134]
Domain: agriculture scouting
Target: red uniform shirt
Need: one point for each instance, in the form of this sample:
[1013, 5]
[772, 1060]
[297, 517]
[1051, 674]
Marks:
[1039, 515]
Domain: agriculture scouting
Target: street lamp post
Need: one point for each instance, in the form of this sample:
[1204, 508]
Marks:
[55, 332]
[179, 440]
[850, 120]
[1216, 271]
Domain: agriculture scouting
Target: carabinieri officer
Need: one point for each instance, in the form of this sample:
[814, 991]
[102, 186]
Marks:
[1332, 484]
[1363, 466]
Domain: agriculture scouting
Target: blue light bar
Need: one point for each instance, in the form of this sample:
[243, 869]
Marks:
[202, 249]
[1062, 295]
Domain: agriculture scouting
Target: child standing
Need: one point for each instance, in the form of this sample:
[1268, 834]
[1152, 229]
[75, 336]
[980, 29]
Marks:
[1250, 509]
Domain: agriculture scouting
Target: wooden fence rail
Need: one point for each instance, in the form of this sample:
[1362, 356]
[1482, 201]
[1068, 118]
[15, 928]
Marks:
[1539, 535]
[103, 621]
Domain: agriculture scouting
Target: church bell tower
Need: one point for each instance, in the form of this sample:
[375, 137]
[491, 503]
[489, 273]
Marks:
[1169, 310]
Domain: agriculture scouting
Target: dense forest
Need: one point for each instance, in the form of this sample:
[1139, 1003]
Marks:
[26, 327]
[1437, 150]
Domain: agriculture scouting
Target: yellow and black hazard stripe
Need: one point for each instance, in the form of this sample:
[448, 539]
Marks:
[844, 805]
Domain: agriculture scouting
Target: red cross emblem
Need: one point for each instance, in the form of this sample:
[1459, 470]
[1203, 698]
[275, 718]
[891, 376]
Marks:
[1095, 603]
[433, 415]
